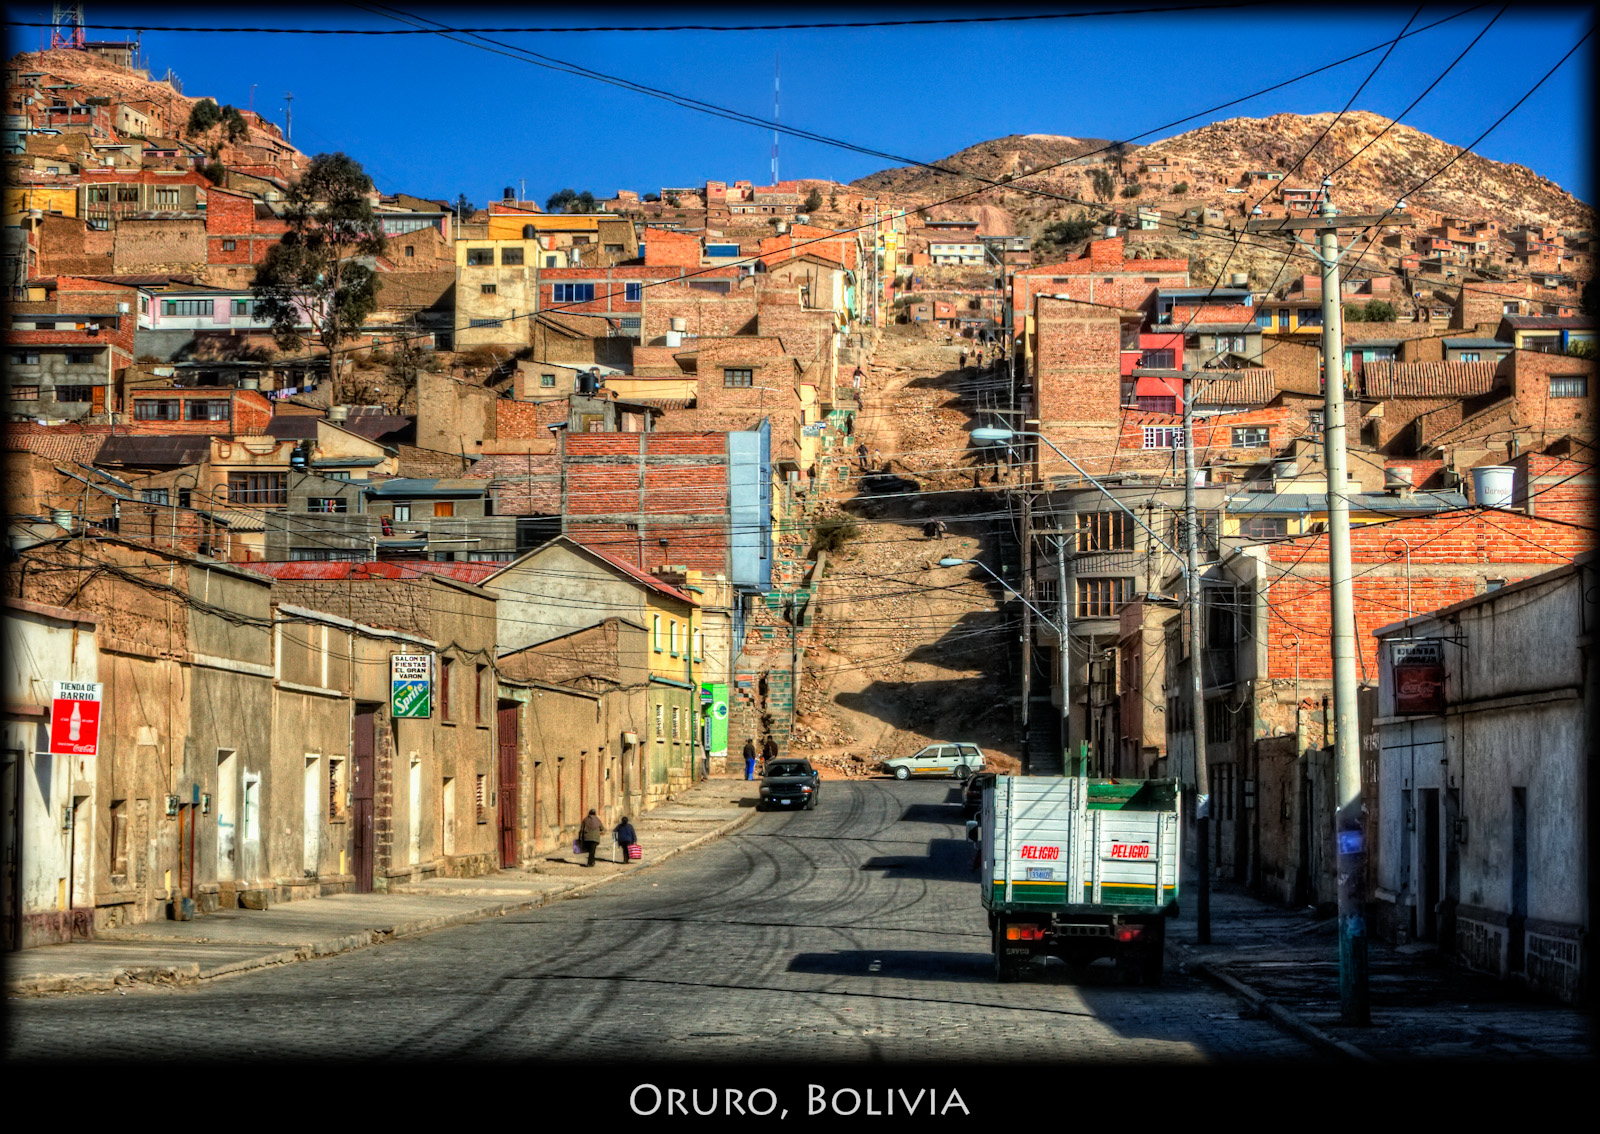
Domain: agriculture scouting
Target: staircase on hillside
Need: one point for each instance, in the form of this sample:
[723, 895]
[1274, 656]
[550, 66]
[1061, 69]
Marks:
[1044, 738]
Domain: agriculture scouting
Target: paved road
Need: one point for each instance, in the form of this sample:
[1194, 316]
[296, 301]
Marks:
[852, 932]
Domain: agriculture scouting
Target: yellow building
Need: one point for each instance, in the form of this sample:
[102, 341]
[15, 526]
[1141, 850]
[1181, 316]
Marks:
[496, 290]
[59, 199]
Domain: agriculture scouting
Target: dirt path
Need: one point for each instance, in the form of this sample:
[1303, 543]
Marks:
[905, 652]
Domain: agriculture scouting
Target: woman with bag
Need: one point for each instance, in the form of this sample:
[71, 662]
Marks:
[625, 838]
[589, 834]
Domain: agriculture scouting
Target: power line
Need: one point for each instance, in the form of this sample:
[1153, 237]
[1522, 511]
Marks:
[843, 25]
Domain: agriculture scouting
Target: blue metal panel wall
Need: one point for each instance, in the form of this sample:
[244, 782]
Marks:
[750, 508]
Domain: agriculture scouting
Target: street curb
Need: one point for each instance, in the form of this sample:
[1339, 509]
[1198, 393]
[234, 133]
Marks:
[44, 984]
[1289, 1020]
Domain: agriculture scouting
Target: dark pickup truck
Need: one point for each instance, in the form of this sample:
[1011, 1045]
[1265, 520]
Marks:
[791, 784]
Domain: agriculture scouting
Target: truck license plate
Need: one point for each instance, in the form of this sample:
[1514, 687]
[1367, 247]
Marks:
[1041, 874]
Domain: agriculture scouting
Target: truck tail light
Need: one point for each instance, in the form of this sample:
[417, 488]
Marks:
[1129, 932]
[1024, 932]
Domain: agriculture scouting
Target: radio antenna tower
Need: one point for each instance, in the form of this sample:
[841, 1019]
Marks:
[774, 117]
[66, 26]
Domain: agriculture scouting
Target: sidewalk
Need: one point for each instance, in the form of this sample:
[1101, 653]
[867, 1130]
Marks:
[1285, 964]
[234, 941]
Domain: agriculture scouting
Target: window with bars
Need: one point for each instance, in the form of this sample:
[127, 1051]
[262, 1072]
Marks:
[1163, 437]
[25, 393]
[660, 717]
[445, 667]
[676, 717]
[1162, 359]
[1101, 598]
[1569, 387]
[480, 797]
[166, 198]
[74, 393]
[153, 495]
[1249, 436]
[185, 307]
[1264, 527]
[511, 257]
[1178, 530]
[156, 409]
[478, 692]
[488, 289]
[258, 488]
[210, 409]
[1104, 531]
[547, 381]
[480, 257]
[127, 194]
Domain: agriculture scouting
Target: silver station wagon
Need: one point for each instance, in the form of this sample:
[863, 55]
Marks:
[958, 760]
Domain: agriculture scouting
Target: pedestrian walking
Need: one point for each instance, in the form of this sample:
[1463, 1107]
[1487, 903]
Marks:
[877, 458]
[589, 834]
[623, 834]
[963, 360]
[769, 753]
[750, 758]
[855, 380]
[861, 455]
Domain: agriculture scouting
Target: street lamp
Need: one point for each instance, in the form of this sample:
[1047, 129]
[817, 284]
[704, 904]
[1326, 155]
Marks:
[1012, 590]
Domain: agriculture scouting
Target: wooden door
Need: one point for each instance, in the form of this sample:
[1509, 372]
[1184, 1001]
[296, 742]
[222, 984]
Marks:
[509, 784]
[363, 783]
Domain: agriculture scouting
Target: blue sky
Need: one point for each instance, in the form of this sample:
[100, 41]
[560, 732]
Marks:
[434, 117]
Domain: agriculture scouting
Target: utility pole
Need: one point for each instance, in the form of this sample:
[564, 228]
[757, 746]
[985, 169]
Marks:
[1064, 633]
[288, 120]
[1027, 624]
[1349, 818]
[1197, 694]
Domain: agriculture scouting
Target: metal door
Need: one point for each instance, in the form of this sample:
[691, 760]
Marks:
[1428, 840]
[508, 784]
[363, 782]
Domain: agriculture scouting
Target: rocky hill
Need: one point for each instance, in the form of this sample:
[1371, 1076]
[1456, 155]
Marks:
[1207, 162]
[1011, 156]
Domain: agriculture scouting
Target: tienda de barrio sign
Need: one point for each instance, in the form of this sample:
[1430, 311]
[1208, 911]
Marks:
[75, 718]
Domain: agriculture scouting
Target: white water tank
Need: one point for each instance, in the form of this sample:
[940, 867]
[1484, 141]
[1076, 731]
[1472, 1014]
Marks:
[1239, 279]
[339, 413]
[1396, 477]
[1492, 485]
[61, 517]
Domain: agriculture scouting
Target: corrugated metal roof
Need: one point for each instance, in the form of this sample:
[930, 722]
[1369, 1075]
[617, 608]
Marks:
[240, 520]
[426, 486]
[155, 449]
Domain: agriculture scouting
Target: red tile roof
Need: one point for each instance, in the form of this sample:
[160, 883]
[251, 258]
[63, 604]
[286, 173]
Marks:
[407, 569]
[58, 442]
[1387, 379]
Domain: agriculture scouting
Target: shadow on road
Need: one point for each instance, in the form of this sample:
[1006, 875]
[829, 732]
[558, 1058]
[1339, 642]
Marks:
[948, 859]
[902, 964]
[931, 812]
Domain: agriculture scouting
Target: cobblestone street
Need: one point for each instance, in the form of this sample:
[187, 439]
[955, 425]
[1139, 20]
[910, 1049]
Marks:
[850, 933]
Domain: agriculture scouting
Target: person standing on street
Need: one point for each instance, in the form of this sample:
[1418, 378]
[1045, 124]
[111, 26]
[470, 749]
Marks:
[750, 758]
[877, 458]
[623, 834]
[769, 753]
[589, 834]
[861, 456]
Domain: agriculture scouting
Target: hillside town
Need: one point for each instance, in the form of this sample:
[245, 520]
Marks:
[580, 503]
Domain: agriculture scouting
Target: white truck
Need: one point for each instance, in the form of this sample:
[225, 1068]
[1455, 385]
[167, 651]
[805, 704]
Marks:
[1080, 868]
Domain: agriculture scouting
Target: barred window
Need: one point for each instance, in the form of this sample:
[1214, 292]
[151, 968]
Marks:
[186, 307]
[660, 712]
[1249, 437]
[258, 488]
[1265, 527]
[675, 721]
[1104, 531]
[156, 409]
[1163, 437]
[1100, 598]
[510, 257]
[210, 409]
[1577, 387]
[74, 393]
[480, 797]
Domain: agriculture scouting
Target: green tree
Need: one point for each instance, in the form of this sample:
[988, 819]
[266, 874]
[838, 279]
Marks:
[1583, 349]
[813, 200]
[204, 115]
[1064, 232]
[233, 124]
[672, 200]
[463, 206]
[1354, 313]
[215, 172]
[1180, 189]
[1101, 182]
[651, 197]
[558, 202]
[314, 275]
[1380, 312]
[1132, 190]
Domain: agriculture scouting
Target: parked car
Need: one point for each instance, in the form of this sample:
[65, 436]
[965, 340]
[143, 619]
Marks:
[972, 794]
[958, 760]
[789, 783]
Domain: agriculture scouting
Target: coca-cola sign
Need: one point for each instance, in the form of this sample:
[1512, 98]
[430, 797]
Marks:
[1419, 677]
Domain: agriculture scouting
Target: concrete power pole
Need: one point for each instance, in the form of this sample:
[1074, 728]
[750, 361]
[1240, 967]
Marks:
[1064, 633]
[1349, 830]
[288, 117]
[1349, 819]
[1197, 694]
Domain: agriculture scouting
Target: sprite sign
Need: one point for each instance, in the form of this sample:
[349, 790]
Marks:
[410, 685]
